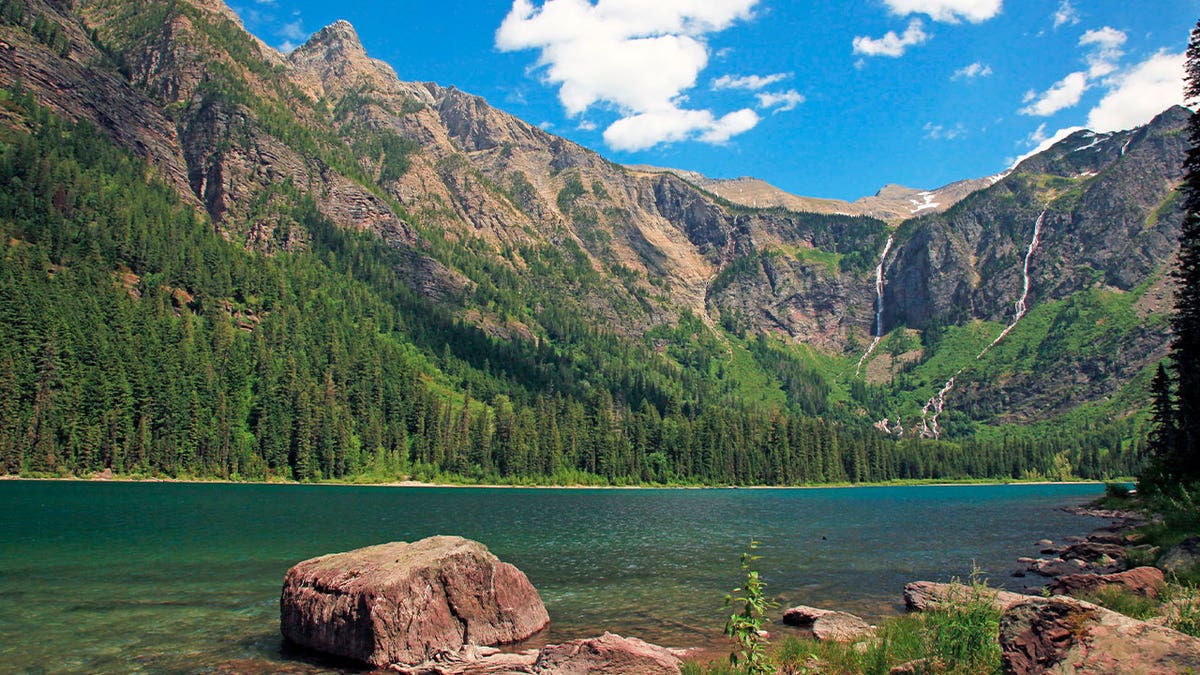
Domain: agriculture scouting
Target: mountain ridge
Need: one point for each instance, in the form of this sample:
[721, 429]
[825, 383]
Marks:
[892, 203]
[534, 240]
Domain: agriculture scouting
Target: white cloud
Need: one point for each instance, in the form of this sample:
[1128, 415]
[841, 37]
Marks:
[647, 129]
[1066, 15]
[1042, 142]
[748, 82]
[939, 132]
[638, 57]
[1106, 50]
[586, 125]
[949, 11]
[972, 71]
[1133, 98]
[782, 101]
[1103, 58]
[891, 44]
[1064, 94]
[1137, 95]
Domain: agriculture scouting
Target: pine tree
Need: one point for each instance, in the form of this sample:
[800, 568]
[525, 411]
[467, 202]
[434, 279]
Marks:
[1175, 448]
[1186, 348]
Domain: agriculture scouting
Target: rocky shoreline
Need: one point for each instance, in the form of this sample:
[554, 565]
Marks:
[446, 606]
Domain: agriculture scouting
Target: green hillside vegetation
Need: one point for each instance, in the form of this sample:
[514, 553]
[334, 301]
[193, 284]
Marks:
[135, 338]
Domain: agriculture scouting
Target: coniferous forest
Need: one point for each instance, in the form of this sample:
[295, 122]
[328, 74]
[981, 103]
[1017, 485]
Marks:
[135, 337]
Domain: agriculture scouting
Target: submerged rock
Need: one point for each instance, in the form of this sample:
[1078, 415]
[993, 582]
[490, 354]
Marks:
[828, 625]
[608, 653]
[1094, 552]
[404, 603]
[1066, 636]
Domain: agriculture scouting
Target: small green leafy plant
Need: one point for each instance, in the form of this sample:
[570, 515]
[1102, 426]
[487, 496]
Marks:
[745, 627]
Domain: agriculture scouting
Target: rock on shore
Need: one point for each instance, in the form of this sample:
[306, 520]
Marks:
[1143, 581]
[403, 603]
[828, 625]
[1061, 636]
[925, 596]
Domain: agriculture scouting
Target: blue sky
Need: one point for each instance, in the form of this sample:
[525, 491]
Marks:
[825, 99]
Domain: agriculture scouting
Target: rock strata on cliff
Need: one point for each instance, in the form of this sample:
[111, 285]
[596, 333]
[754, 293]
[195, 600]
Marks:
[404, 603]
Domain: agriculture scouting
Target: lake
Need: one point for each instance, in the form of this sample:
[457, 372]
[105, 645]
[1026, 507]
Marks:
[173, 577]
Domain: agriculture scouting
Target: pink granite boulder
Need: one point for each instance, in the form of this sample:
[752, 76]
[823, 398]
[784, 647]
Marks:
[404, 603]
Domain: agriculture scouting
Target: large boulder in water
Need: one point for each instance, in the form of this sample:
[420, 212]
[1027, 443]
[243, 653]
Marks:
[403, 603]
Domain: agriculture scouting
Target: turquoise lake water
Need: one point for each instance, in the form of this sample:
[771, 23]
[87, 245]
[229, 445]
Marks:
[166, 577]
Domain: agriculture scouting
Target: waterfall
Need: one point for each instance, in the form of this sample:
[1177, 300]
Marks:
[1021, 308]
[929, 425]
[878, 305]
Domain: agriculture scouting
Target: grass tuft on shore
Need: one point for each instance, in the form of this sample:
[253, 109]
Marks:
[958, 638]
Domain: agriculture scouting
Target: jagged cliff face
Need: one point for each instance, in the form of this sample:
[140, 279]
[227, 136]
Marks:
[244, 132]
[1111, 217]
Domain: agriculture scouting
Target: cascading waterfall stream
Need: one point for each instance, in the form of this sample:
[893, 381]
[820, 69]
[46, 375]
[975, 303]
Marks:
[929, 425]
[878, 305]
[1021, 308]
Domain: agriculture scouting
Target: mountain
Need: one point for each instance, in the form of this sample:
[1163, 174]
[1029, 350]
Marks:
[892, 203]
[529, 308]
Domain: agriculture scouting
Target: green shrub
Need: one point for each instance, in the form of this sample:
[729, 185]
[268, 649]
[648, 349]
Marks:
[1116, 490]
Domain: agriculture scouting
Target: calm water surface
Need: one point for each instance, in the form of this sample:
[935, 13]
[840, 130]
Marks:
[154, 577]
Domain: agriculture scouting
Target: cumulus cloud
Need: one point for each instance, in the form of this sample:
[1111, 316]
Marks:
[1064, 94]
[972, 71]
[1103, 58]
[1105, 51]
[1137, 95]
[1133, 97]
[638, 57]
[748, 82]
[648, 129]
[782, 101]
[1066, 15]
[948, 11]
[891, 44]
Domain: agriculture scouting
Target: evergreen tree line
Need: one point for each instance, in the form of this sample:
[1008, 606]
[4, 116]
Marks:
[134, 337]
[1175, 441]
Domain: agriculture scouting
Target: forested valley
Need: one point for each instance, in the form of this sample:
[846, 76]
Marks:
[134, 337]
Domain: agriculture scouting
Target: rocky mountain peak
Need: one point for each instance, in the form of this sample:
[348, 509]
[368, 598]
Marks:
[336, 57]
[339, 37]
